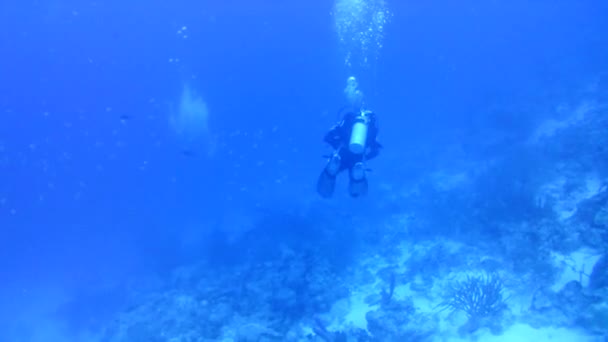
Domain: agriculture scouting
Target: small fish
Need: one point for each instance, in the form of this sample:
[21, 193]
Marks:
[188, 153]
[125, 117]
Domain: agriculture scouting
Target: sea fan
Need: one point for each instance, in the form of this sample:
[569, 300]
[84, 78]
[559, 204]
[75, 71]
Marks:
[478, 297]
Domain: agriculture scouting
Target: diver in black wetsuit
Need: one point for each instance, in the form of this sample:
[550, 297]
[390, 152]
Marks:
[354, 140]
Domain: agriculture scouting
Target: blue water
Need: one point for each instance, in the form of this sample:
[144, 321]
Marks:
[97, 192]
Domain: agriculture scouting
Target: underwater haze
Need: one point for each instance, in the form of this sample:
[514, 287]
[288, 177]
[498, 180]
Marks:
[160, 164]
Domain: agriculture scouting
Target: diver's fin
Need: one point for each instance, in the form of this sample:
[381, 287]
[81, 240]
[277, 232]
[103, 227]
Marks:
[326, 184]
[358, 188]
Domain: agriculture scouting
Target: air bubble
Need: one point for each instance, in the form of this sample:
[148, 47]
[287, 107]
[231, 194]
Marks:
[360, 28]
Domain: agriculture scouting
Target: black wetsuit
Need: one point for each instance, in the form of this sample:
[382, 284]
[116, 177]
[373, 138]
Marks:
[338, 137]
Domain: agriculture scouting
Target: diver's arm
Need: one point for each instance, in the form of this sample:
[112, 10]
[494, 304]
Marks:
[334, 137]
[337, 134]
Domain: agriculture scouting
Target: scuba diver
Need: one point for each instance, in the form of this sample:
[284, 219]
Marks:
[354, 142]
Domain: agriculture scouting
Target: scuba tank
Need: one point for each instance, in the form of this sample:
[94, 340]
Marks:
[358, 135]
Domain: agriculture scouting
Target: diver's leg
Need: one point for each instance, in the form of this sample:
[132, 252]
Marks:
[327, 180]
[357, 185]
